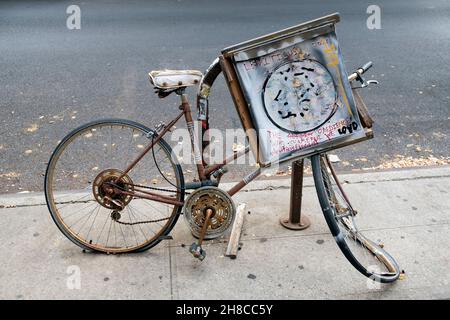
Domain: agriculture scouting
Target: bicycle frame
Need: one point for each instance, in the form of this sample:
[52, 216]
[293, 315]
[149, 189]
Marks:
[204, 172]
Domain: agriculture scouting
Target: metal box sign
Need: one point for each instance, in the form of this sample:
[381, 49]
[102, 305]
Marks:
[296, 89]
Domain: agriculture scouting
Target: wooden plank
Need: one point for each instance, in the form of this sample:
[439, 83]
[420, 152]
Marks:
[233, 243]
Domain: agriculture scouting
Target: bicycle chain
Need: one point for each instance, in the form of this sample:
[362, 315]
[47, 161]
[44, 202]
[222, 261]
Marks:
[154, 188]
[145, 221]
[141, 222]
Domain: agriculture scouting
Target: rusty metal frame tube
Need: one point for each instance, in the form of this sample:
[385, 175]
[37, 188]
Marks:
[151, 196]
[234, 156]
[296, 219]
[246, 180]
[196, 148]
[296, 191]
[150, 146]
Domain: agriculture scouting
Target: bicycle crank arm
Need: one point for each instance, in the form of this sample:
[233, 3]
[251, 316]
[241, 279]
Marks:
[196, 248]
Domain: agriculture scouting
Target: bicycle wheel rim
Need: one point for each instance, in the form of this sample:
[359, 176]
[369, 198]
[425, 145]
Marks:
[365, 255]
[142, 243]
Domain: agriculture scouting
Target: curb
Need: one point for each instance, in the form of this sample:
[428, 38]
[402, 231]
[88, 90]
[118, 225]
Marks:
[38, 199]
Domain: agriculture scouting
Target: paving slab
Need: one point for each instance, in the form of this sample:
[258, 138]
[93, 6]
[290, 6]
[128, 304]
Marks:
[307, 264]
[38, 262]
[408, 210]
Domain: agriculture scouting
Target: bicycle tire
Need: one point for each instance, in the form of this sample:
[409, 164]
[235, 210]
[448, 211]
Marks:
[336, 224]
[105, 122]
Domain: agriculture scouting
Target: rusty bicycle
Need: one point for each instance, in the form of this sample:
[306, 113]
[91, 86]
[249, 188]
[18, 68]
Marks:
[115, 186]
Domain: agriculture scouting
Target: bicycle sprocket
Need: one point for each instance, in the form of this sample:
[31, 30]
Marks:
[213, 198]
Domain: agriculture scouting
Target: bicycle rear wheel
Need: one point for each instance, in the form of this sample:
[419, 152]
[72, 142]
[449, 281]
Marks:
[365, 255]
[91, 158]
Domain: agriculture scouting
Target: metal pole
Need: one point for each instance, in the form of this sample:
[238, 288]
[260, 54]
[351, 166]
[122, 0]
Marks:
[296, 221]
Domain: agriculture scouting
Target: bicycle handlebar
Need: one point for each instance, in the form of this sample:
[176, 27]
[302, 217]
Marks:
[360, 71]
[367, 66]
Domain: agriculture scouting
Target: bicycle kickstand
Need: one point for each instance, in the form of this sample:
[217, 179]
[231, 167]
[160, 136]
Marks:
[196, 248]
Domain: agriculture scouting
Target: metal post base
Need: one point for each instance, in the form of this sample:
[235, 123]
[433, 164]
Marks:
[296, 220]
[303, 224]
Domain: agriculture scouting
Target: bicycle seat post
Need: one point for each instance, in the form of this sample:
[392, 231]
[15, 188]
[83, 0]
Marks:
[197, 152]
[184, 102]
[182, 94]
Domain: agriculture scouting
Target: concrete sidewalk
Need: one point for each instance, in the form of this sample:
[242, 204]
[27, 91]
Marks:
[408, 209]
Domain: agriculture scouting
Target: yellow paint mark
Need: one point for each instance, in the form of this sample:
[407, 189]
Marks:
[32, 128]
[329, 49]
[11, 174]
[334, 62]
[341, 87]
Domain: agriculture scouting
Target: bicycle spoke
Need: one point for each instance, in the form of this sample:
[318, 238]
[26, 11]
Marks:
[89, 216]
[123, 235]
[79, 210]
[104, 225]
[115, 236]
[132, 226]
[89, 212]
[140, 227]
[151, 206]
[109, 232]
[78, 197]
[93, 222]
[147, 218]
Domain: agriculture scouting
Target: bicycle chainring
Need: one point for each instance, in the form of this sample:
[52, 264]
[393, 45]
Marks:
[209, 198]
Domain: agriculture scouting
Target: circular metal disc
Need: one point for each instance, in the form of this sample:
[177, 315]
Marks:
[217, 200]
[299, 96]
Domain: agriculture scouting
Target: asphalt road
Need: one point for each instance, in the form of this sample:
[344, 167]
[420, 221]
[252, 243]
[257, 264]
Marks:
[53, 79]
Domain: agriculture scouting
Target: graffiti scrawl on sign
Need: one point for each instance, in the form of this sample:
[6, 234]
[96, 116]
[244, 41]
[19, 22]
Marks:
[297, 91]
[300, 96]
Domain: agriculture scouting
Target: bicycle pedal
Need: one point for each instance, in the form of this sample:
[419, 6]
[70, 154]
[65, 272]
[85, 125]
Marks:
[197, 251]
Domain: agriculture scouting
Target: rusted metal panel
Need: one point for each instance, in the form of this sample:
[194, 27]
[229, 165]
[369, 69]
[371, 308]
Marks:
[280, 35]
[293, 90]
[240, 104]
[364, 116]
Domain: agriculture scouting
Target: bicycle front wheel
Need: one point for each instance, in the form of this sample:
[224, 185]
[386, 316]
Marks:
[365, 255]
[93, 157]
